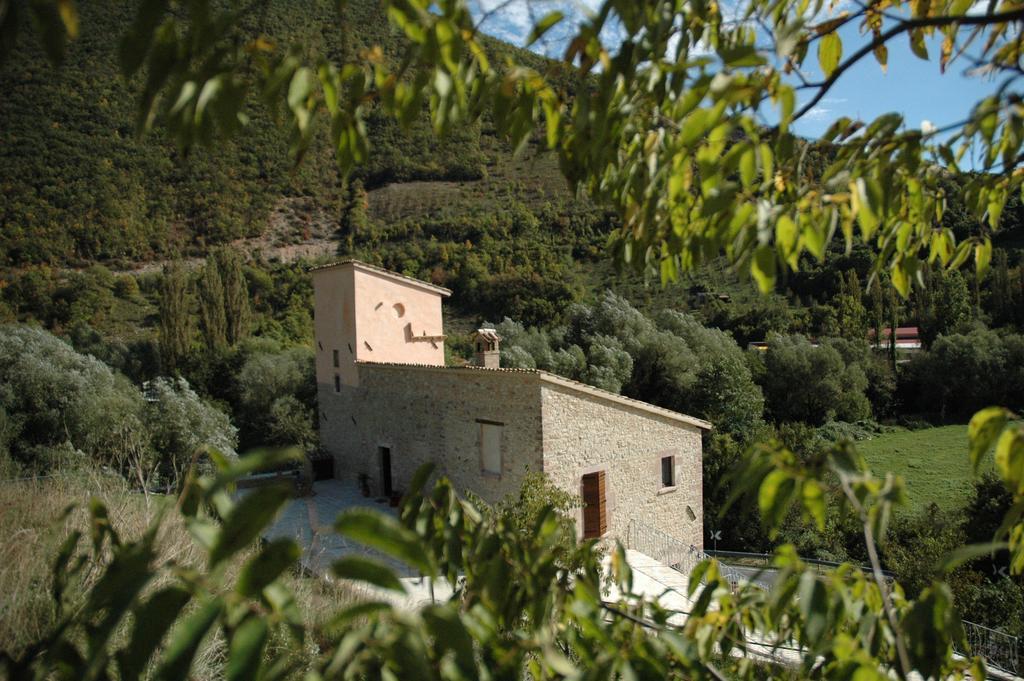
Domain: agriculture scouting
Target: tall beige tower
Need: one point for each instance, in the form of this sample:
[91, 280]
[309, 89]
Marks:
[364, 313]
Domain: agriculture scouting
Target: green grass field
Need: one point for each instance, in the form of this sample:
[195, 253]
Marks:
[933, 461]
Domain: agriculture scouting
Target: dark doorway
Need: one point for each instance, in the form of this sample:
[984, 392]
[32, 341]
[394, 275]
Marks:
[595, 516]
[385, 471]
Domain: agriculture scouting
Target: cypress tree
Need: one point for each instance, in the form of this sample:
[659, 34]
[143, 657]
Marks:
[237, 314]
[893, 324]
[175, 322]
[212, 312]
[1002, 294]
[877, 308]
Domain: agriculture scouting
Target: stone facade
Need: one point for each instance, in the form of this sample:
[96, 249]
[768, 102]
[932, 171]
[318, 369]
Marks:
[390, 405]
[423, 413]
[585, 433]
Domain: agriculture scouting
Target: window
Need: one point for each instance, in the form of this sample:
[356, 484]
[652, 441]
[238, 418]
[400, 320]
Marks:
[336, 361]
[490, 447]
[668, 472]
[337, 383]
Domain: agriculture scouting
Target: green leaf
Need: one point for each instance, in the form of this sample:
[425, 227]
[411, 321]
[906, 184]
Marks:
[543, 26]
[177, 660]
[968, 553]
[982, 257]
[247, 519]
[786, 237]
[773, 498]
[762, 267]
[450, 634]
[385, 534]
[357, 611]
[1010, 458]
[300, 87]
[830, 51]
[917, 45]
[748, 166]
[882, 57]
[367, 570]
[245, 652]
[982, 432]
[152, 621]
[265, 567]
[252, 461]
[813, 601]
[814, 501]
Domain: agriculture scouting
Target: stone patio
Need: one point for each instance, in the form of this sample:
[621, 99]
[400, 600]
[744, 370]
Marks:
[309, 521]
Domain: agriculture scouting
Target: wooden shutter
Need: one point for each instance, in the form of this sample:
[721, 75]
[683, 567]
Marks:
[595, 515]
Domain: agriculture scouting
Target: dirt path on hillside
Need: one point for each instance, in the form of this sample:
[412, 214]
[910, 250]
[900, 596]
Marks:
[296, 229]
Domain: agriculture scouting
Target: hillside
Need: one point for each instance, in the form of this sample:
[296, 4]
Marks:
[77, 188]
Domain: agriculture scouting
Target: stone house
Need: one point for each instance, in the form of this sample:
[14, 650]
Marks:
[388, 403]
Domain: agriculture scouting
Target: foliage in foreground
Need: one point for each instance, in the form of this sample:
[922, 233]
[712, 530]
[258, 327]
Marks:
[526, 596]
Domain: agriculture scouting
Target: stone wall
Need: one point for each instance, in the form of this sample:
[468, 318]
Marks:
[585, 433]
[432, 414]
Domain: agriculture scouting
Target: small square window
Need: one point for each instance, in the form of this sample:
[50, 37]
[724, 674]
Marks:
[668, 471]
[336, 360]
[490, 448]
[337, 383]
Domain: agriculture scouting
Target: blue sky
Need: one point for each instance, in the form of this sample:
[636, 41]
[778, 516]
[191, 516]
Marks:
[911, 86]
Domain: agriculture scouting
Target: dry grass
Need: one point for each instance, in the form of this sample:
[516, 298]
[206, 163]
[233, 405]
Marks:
[33, 526]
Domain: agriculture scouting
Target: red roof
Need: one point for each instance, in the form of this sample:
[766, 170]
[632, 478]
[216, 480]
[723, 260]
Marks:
[902, 333]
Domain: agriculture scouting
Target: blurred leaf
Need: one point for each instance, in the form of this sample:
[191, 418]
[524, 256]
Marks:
[543, 26]
[1010, 458]
[247, 519]
[982, 431]
[762, 267]
[774, 497]
[967, 553]
[830, 51]
[267, 565]
[152, 621]
[185, 640]
[814, 501]
[385, 534]
[367, 570]
[245, 652]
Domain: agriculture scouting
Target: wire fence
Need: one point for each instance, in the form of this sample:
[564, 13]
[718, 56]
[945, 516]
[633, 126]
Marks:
[999, 650]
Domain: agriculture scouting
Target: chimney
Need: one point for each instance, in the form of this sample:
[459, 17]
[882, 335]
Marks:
[486, 343]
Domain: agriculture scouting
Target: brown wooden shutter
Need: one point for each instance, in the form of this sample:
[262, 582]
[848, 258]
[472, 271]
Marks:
[595, 516]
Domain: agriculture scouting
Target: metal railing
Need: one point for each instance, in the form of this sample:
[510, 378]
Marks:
[765, 559]
[999, 650]
[678, 555]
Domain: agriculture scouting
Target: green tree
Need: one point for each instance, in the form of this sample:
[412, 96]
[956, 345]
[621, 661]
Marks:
[212, 315]
[812, 384]
[852, 317]
[948, 306]
[181, 424]
[237, 312]
[175, 317]
[878, 311]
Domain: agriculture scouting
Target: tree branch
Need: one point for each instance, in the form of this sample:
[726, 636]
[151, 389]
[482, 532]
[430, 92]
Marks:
[903, 27]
